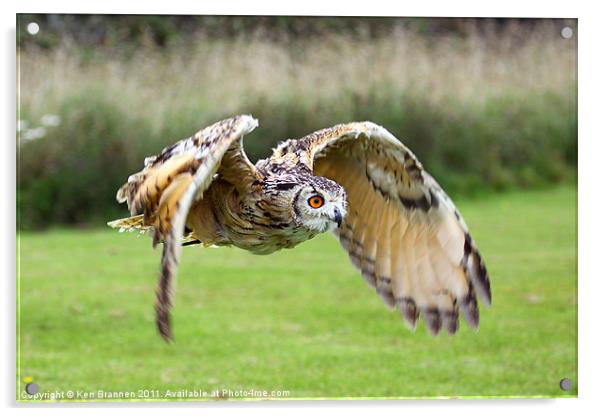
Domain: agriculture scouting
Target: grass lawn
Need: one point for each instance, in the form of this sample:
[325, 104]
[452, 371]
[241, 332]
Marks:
[300, 320]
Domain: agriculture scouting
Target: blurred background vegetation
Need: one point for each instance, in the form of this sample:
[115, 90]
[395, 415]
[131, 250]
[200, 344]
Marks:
[486, 104]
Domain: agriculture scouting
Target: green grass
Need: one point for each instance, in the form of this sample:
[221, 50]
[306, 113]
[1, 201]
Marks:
[301, 320]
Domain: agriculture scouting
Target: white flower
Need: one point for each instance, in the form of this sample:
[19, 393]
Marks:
[33, 134]
[50, 120]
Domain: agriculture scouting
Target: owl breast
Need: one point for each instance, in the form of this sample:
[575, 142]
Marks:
[255, 223]
[268, 241]
[263, 236]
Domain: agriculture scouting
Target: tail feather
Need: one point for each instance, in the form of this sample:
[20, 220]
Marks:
[130, 224]
[134, 223]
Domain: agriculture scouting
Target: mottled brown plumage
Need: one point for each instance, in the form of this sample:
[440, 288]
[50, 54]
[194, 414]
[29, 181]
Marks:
[398, 226]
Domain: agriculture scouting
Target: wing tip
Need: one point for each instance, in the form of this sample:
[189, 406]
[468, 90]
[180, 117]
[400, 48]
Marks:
[451, 324]
[163, 292]
[470, 311]
[432, 319]
[164, 324]
[377, 130]
[486, 298]
[476, 270]
[483, 288]
[386, 294]
[250, 122]
[162, 315]
[409, 312]
[369, 277]
[121, 196]
[114, 223]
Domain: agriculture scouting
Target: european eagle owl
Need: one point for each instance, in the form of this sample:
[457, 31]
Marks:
[356, 180]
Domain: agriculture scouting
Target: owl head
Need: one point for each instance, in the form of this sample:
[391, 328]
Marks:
[319, 204]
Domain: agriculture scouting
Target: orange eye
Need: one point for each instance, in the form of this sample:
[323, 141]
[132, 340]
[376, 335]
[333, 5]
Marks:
[316, 201]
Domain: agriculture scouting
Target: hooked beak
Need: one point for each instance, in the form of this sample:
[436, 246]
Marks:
[338, 218]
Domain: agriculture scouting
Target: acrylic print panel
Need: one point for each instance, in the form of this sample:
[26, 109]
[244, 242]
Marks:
[485, 106]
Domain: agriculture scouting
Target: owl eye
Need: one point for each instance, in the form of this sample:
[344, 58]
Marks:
[315, 201]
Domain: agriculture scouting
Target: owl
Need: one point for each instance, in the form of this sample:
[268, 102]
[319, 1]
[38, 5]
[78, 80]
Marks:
[356, 180]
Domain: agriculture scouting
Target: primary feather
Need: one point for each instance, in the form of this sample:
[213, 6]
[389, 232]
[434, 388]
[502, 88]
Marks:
[398, 226]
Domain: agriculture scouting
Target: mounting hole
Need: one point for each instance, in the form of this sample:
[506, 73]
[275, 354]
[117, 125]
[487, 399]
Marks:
[32, 388]
[33, 28]
[566, 32]
[566, 384]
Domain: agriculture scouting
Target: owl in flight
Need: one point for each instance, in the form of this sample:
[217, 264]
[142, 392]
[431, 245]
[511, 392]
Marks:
[357, 180]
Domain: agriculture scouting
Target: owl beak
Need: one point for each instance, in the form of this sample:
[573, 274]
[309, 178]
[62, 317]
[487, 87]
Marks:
[338, 218]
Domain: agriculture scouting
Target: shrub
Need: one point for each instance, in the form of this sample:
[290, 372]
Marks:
[480, 113]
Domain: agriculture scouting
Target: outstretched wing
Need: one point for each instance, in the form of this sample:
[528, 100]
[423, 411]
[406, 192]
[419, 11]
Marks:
[402, 231]
[171, 181]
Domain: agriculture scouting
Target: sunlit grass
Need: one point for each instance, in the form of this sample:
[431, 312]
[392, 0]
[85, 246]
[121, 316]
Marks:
[301, 320]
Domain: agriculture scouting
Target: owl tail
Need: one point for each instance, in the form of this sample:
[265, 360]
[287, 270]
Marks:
[131, 224]
[136, 222]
